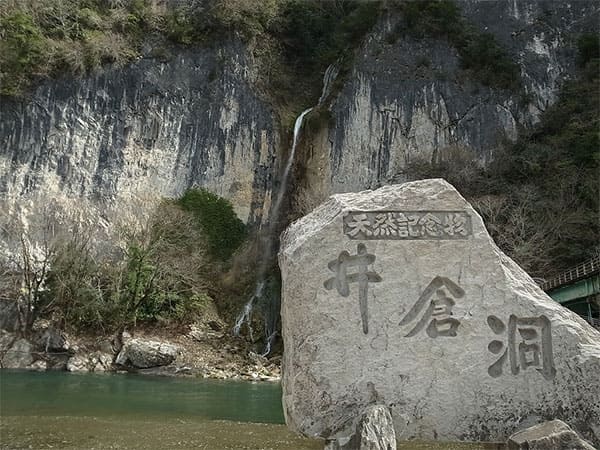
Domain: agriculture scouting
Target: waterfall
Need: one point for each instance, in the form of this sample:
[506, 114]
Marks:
[330, 75]
[246, 314]
[288, 167]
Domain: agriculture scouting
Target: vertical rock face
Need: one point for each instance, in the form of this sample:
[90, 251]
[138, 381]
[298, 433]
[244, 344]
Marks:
[408, 100]
[116, 142]
[399, 297]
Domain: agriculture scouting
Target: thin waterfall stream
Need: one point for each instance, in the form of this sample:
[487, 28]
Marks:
[267, 247]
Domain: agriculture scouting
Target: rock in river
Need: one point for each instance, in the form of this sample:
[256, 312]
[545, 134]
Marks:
[400, 297]
[143, 353]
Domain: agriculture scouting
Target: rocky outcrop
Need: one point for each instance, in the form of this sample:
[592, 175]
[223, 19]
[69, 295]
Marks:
[399, 297]
[103, 150]
[90, 362]
[409, 101]
[50, 339]
[45, 348]
[15, 352]
[142, 354]
[374, 431]
[553, 435]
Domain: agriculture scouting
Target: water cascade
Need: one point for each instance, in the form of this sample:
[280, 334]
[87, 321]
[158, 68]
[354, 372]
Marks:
[267, 247]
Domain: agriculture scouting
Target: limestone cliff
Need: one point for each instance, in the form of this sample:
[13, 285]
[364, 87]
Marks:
[114, 143]
[408, 99]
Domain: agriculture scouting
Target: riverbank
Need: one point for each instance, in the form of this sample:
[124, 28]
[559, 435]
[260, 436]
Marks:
[116, 433]
[204, 349]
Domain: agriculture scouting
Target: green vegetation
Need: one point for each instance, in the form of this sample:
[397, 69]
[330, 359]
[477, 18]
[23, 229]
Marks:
[480, 54]
[20, 49]
[539, 198]
[166, 272]
[588, 46]
[223, 230]
[52, 37]
[43, 39]
[298, 38]
[317, 33]
[199, 22]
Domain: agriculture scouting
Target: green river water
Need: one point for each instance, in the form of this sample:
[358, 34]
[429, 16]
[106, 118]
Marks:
[60, 410]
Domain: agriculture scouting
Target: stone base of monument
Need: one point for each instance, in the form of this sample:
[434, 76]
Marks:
[553, 435]
[399, 297]
[374, 431]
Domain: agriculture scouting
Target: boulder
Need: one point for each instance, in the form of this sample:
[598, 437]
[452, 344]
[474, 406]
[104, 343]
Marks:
[90, 362]
[400, 297]
[78, 363]
[52, 340]
[374, 431]
[142, 353]
[552, 435]
[101, 362]
[39, 365]
[15, 353]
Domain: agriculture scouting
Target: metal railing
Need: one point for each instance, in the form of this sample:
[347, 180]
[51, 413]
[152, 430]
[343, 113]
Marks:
[578, 272]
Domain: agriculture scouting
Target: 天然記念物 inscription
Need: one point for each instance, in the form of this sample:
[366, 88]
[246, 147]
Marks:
[342, 279]
[529, 345]
[439, 309]
[371, 225]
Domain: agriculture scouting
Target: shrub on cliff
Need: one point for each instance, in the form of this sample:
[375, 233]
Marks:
[479, 52]
[539, 197]
[21, 47]
[50, 37]
[224, 231]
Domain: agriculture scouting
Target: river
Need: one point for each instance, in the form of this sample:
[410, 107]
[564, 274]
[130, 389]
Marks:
[62, 410]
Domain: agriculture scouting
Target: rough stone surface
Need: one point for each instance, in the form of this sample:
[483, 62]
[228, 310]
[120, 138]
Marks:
[124, 137]
[142, 354]
[450, 334]
[39, 365]
[52, 340]
[90, 362]
[374, 431]
[104, 149]
[553, 435]
[408, 100]
[101, 362]
[15, 353]
[78, 363]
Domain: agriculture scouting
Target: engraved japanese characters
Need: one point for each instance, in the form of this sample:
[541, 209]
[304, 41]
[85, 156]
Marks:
[534, 348]
[340, 266]
[439, 309]
[399, 296]
[407, 225]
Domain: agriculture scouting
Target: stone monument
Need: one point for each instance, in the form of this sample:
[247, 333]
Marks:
[399, 297]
